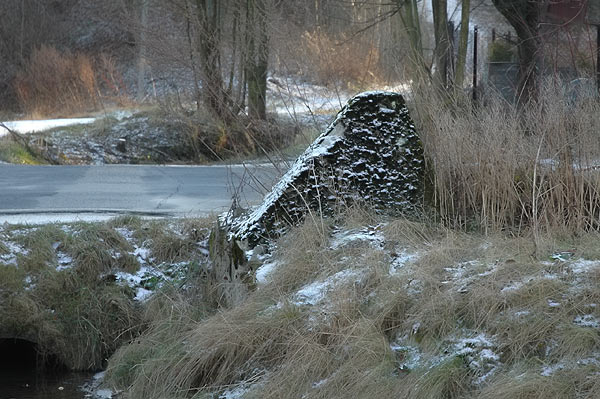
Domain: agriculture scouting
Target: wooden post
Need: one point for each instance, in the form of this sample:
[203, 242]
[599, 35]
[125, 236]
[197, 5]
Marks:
[475, 33]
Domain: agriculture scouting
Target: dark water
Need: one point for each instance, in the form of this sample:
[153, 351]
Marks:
[25, 375]
[23, 384]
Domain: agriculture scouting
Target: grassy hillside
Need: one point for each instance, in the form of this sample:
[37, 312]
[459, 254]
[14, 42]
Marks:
[361, 307]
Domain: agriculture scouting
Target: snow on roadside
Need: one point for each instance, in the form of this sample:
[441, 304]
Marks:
[31, 126]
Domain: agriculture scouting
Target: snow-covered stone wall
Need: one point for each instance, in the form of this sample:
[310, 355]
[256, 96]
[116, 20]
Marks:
[370, 153]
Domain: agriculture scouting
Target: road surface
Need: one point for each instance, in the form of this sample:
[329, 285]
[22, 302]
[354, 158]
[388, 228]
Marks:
[30, 194]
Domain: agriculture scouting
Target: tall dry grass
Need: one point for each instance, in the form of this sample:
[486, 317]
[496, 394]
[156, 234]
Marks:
[56, 83]
[341, 59]
[499, 168]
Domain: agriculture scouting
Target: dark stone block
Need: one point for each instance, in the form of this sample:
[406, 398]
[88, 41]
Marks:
[370, 153]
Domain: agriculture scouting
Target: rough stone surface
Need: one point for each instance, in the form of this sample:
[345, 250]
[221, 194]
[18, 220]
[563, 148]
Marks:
[370, 153]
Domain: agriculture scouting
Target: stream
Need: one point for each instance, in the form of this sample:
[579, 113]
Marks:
[25, 384]
[23, 376]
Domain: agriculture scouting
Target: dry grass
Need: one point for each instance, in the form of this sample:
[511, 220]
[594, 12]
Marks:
[59, 288]
[499, 168]
[342, 59]
[273, 346]
[55, 83]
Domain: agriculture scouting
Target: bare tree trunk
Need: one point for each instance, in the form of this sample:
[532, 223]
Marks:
[213, 91]
[442, 43]
[524, 18]
[141, 89]
[258, 59]
[196, 77]
[409, 15]
[463, 42]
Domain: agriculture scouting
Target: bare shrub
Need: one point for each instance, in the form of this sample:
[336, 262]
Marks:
[54, 82]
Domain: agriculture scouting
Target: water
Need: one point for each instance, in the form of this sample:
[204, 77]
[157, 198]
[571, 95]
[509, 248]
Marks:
[26, 384]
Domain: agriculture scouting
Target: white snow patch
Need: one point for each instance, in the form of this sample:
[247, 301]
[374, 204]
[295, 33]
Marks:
[587, 320]
[315, 292]
[553, 304]
[142, 294]
[522, 313]
[346, 238]
[263, 272]
[584, 266]
[548, 370]
[142, 254]
[125, 232]
[401, 259]
[234, 393]
[31, 126]
[411, 356]
[103, 394]
[14, 249]
[479, 355]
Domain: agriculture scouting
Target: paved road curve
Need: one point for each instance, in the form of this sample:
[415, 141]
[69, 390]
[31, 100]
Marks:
[26, 192]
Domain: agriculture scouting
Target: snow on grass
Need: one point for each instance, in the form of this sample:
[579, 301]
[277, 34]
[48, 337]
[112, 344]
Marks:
[264, 271]
[13, 250]
[587, 320]
[409, 357]
[126, 233]
[479, 355]
[584, 266]
[553, 304]
[350, 237]
[31, 126]
[550, 369]
[477, 350]
[316, 292]
[144, 281]
[463, 274]
[401, 260]
[234, 393]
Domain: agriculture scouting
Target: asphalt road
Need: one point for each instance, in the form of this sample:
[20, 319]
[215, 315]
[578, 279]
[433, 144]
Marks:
[48, 193]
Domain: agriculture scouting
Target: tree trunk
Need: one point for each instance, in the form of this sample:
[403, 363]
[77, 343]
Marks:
[141, 88]
[258, 56]
[524, 18]
[409, 15]
[213, 91]
[442, 43]
[463, 42]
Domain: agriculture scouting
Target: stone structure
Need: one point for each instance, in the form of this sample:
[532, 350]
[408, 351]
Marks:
[370, 153]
